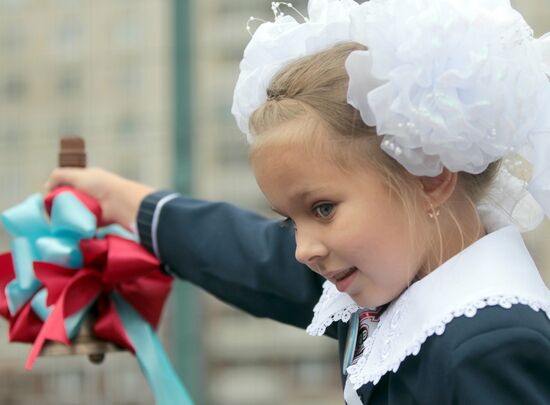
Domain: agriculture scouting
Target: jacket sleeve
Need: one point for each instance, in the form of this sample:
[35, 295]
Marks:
[506, 366]
[240, 257]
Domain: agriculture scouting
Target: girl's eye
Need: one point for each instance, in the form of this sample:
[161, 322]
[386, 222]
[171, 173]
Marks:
[324, 210]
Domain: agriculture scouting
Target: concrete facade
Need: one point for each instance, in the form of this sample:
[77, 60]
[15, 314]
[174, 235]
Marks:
[102, 69]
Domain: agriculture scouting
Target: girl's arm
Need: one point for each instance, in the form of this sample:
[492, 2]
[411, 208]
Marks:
[242, 258]
[238, 256]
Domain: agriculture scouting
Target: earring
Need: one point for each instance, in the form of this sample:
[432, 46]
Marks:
[434, 213]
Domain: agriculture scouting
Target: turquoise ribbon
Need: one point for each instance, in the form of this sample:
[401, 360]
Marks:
[353, 330]
[26, 222]
[27, 219]
[57, 242]
[36, 239]
[161, 376]
[72, 218]
[25, 284]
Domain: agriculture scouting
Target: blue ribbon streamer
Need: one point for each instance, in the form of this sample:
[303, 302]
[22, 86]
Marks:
[57, 242]
[163, 380]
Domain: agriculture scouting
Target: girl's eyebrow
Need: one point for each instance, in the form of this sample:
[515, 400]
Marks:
[305, 194]
[299, 197]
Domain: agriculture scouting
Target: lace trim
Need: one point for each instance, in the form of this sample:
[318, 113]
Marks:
[359, 373]
[343, 315]
[324, 314]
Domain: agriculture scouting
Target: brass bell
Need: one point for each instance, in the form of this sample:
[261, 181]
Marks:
[84, 343]
[73, 154]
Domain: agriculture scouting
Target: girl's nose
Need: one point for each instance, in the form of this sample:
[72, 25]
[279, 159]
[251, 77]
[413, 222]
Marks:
[309, 250]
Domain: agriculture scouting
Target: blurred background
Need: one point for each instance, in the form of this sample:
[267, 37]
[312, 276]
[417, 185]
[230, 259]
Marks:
[148, 84]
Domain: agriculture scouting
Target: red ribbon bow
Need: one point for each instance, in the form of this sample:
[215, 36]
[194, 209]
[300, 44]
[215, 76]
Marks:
[25, 324]
[110, 265]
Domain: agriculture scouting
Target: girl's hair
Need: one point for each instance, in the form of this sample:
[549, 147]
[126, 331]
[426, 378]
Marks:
[317, 85]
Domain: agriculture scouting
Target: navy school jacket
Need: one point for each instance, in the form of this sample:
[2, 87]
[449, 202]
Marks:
[498, 357]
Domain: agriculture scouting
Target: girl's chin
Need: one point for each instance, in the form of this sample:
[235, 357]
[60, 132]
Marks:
[367, 299]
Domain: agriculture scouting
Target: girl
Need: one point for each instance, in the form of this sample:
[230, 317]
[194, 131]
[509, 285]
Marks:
[385, 132]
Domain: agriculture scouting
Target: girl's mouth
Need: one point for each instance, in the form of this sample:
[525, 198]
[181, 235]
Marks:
[344, 279]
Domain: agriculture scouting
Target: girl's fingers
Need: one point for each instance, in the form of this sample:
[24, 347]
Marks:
[63, 176]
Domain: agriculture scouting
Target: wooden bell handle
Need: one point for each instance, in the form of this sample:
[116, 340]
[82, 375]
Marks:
[72, 153]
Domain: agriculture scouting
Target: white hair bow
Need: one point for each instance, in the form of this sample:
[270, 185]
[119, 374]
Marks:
[447, 83]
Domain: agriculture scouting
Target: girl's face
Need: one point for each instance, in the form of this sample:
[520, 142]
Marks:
[349, 227]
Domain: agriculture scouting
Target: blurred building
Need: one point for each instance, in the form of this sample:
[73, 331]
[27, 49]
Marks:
[104, 69]
[100, 69]
[250, 361]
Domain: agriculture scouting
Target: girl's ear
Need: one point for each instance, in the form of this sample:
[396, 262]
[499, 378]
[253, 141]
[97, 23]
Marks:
[438, 189]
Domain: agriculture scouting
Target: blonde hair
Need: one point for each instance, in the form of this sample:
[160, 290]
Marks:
[317, 85]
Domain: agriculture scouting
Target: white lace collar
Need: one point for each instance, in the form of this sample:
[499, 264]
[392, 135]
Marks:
[495, 270]
[507, 202]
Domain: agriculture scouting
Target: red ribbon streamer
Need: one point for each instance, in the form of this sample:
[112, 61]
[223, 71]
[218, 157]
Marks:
[25, 324]
[7, 274]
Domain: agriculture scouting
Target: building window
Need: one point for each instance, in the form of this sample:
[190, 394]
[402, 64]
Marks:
[12, 137]
[127, 128]
[68, 3]
[128, 32]
[129, 78]
[14, 88]
[11, 147]
[13, 4]
[11, 41]
[69, 127]
[70, 83]
[69, 37]
[11, 181]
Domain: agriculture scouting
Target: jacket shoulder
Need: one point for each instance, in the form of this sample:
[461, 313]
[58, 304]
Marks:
[498, 356]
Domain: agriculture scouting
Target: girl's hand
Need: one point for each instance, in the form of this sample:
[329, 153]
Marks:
[119, 197]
